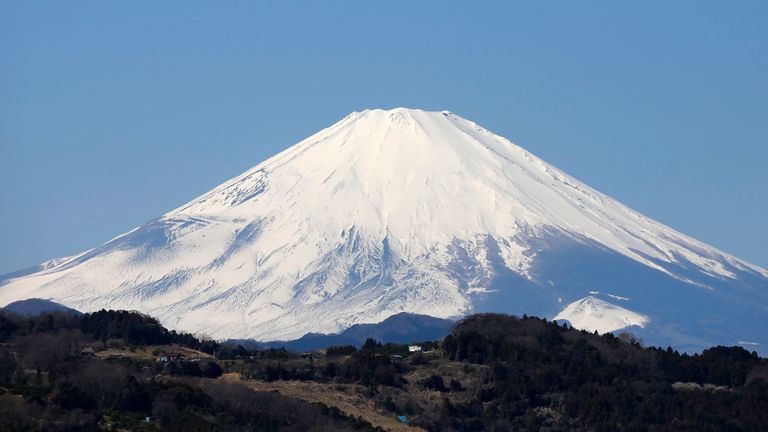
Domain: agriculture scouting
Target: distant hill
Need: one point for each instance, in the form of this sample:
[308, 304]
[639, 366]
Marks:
[36, 306]
[400, 328]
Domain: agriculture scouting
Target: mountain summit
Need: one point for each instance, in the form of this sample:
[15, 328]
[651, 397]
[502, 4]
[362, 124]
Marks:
[404, 210]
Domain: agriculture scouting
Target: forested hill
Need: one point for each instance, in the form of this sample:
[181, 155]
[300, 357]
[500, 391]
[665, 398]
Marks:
[536, 345]
[132, 328]
[542, 375]
[118, 370]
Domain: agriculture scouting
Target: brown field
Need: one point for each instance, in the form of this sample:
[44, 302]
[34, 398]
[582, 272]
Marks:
[351, 399]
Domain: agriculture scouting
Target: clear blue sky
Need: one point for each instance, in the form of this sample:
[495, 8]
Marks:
[112, 113]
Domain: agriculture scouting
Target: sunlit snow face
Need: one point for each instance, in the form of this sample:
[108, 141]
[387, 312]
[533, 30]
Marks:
[389, 211]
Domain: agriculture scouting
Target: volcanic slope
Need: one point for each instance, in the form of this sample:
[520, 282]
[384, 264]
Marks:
[404, 210]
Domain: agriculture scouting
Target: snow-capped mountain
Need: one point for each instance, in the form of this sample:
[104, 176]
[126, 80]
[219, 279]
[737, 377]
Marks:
[403, 210]
[593, 314]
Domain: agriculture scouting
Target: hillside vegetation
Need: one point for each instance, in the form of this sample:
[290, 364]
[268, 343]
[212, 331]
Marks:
[116, 370]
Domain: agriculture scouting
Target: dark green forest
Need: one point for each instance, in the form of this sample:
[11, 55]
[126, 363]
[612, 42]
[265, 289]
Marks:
[493, 372]
[47, 384]
[601, 383]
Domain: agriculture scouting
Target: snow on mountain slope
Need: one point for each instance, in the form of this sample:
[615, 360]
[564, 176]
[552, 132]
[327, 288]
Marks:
[391, 211]
[591, 313]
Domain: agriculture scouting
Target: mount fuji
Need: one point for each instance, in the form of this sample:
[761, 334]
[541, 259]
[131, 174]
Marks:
[391, 211]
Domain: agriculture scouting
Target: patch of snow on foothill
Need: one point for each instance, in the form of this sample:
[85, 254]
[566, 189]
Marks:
[591, 313]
